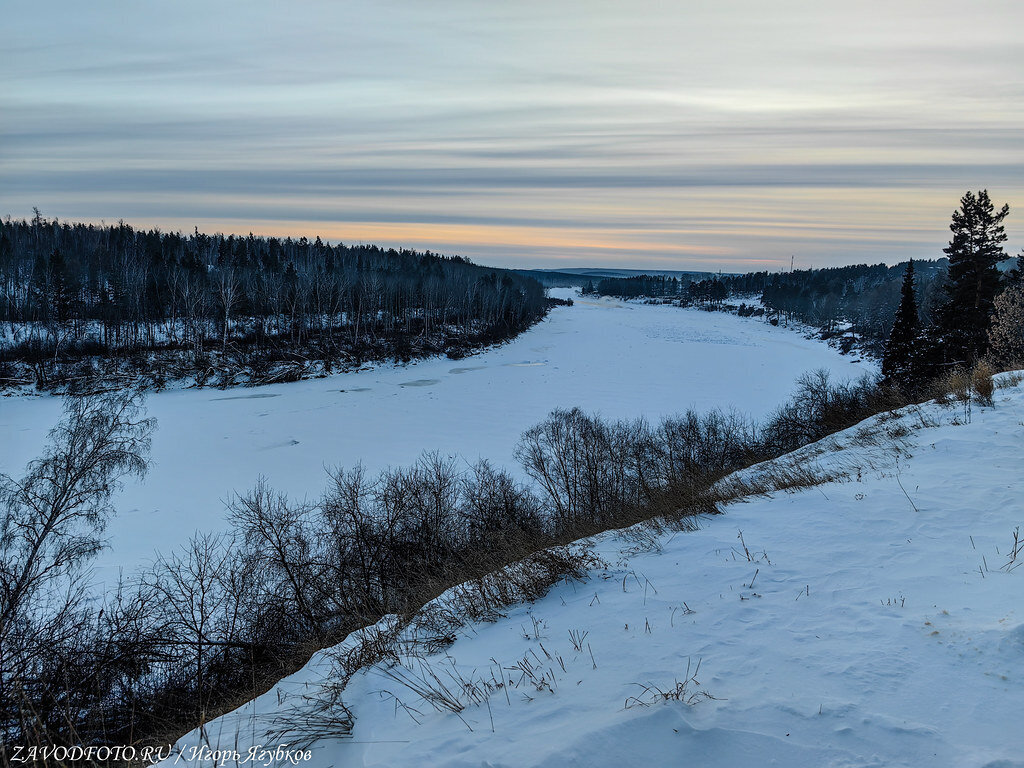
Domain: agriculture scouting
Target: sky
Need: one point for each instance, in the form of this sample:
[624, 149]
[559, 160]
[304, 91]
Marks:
[728, 134]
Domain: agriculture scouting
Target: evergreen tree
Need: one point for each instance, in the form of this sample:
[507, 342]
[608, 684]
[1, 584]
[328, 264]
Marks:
[62, 288]
[973, 281]
[901, 363]
[589, 287]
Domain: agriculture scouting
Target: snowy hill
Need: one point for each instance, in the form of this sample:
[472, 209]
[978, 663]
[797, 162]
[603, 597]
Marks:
[873, 619]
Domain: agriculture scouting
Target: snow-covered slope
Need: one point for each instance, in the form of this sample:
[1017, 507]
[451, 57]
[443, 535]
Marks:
[875, 620]
[624, 360]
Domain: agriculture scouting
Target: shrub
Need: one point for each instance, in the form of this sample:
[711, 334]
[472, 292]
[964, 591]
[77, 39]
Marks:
[954, 386]
[818, 408]
[981, 382]
[1006, 334]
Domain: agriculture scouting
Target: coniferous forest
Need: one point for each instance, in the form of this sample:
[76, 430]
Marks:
[80, 302]
[860, 300]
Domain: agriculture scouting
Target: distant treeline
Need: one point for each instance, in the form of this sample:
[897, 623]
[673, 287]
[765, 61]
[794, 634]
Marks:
[707, 291]
[860, 299]
[79, 301]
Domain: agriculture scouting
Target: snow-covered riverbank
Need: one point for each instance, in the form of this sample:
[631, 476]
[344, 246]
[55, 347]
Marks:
[870, 621]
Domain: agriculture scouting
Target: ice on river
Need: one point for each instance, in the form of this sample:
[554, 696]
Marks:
[619, 359]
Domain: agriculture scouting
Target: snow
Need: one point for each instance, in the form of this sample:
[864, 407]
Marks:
[876, 622]
[620, 359]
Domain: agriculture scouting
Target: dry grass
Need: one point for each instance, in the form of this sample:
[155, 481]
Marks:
[982, 384]
[687, 690]
[1011, 378]
[1016, 550]
[955, 386]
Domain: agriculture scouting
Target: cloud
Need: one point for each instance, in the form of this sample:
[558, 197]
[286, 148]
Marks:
[686, 130]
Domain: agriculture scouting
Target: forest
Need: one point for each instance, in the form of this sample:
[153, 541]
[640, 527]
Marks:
[859, 301]
[81, 303]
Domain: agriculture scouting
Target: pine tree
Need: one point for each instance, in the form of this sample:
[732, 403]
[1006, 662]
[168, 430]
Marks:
[901, 365]
[973, 281]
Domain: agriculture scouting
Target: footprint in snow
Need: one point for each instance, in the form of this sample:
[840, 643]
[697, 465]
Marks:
[285, 444]
[259, 396]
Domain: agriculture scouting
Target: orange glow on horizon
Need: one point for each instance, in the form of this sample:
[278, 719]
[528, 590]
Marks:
[424, 236]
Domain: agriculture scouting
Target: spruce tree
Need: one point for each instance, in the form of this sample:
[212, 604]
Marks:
[973, 281]
[901, 363]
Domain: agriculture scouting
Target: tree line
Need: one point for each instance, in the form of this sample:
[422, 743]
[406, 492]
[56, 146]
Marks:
[857, 301]
[710, 292]
[80, 301]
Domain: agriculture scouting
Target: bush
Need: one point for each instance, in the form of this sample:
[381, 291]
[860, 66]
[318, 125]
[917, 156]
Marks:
[591, 472]
[1006, 334]
[818, 408]
[981, 382]
[694, 447]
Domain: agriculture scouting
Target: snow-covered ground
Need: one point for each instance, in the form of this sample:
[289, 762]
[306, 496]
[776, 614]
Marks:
[619, 359]
[877, 621]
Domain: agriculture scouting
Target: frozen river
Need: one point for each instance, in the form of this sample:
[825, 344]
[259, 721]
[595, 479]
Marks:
[619, 359]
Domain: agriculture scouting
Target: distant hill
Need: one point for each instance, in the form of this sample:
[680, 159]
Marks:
[560, 278]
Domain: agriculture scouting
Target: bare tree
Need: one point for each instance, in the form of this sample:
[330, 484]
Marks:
[51, 521]
[199, 610]
[282, 534]
[1006, 335]
[228, 294]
